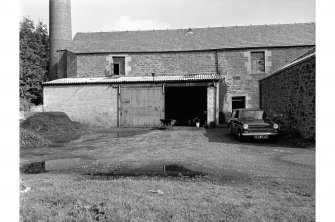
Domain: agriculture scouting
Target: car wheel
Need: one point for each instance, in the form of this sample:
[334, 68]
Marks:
[240, 136]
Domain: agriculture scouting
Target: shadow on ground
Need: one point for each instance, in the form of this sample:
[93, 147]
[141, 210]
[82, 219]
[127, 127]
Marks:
[222, 135]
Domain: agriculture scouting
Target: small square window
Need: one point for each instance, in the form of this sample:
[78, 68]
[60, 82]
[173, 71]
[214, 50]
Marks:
[257, 62]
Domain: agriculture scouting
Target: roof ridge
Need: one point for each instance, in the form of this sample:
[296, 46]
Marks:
[186, 29]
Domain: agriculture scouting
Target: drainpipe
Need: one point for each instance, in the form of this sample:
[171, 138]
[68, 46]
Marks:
[260, 94]
[217, 97]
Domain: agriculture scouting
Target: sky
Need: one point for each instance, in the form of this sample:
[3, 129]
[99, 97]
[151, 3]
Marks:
[119, 15]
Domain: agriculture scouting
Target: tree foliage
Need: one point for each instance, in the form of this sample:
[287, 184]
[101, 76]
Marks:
[34, 57]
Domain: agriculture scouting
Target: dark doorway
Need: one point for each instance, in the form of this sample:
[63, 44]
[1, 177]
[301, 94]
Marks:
[119, 65]
[184, 104]
[238, 102]
[116, 69]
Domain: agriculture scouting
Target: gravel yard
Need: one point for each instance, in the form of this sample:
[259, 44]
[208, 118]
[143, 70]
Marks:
[250, 181]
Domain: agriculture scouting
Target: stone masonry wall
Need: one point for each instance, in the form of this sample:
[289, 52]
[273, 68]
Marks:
[141, 64]
[289, 95]
[179, 63]
[71, 70]
[211, 95]
[94, 105]
[93, 65]
[235, 65]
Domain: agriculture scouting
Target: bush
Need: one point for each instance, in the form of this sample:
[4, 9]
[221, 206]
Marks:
[286, 127]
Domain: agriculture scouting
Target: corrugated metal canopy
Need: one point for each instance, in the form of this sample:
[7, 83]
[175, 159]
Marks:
[136, 79]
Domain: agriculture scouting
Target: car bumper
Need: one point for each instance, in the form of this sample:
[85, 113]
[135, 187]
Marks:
[260, 134]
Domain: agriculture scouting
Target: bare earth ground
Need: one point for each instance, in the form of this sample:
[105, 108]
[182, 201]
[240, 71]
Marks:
[249, 181]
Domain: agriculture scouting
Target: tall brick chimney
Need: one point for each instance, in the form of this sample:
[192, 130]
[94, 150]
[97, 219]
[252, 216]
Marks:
[60, 35]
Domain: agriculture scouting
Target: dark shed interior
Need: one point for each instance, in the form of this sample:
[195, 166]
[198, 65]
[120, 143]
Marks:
[184, 104]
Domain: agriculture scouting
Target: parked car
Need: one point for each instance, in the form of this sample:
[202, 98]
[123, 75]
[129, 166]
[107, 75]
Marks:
[252, 123]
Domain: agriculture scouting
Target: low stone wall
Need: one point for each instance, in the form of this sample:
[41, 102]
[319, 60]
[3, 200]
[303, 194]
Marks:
[289, 97]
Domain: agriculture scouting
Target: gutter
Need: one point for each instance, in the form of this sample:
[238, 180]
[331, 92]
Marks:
[129, 81]
[195, 50]
[139, 82]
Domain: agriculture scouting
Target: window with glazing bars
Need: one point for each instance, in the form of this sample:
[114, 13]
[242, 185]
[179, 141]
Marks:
[257, 62]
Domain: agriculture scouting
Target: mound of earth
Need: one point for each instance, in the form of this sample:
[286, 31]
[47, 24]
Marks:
[31, 140]
[52, 125]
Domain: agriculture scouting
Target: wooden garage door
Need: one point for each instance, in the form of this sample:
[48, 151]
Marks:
[141, 106]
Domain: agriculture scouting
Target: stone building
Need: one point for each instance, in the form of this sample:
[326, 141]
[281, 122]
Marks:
[136, 78]
[288, 94]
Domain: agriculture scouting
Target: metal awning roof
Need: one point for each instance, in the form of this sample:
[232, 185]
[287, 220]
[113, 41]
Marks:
[136, 79]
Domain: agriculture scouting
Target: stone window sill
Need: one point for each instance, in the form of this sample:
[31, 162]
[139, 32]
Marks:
[256, 73]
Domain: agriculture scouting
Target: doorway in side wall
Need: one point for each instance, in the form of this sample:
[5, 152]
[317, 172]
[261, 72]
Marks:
[238, 102]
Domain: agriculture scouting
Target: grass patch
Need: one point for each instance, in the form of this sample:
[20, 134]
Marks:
[69, 198]
[245, 182]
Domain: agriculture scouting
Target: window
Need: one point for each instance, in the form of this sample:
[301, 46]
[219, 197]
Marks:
[118, 66]
[257, 62]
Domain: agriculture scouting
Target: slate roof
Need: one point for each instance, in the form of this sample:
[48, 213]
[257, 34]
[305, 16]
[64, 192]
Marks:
[309, 52]
[305, 56]
[201, 39]
[136, 79]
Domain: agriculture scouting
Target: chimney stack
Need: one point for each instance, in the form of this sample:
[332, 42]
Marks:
[60, 35]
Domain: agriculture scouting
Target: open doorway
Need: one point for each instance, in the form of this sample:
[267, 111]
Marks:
[238, 102]
[184, 104]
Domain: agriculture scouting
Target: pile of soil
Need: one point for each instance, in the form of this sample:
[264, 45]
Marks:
[31, 140]
[53, 125]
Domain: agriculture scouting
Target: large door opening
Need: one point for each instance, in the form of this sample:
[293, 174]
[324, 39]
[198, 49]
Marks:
[184, 104]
